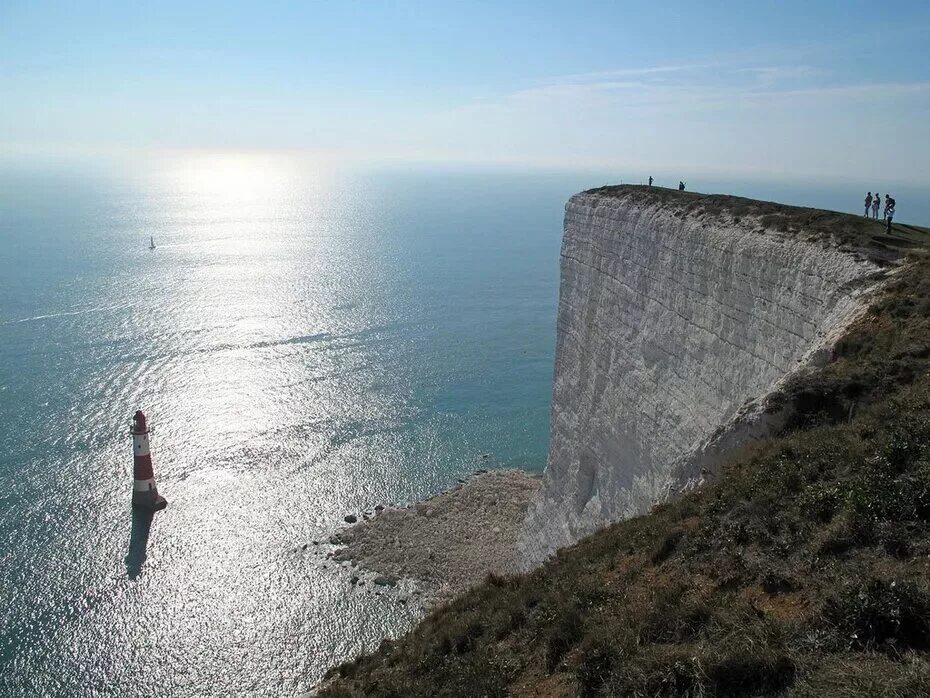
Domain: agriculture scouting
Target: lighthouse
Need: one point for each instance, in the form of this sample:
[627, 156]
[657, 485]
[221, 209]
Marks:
[144, 493]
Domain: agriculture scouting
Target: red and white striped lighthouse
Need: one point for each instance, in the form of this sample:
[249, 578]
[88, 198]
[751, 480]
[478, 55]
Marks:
[144, 493]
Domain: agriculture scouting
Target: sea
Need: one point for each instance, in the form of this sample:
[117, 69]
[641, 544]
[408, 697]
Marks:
[307, 340]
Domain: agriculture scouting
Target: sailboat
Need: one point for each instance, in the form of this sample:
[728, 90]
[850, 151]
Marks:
[151, 242]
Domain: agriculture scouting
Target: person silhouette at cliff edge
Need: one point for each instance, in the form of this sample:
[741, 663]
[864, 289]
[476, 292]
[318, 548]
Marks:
[681, 186]
[650, 180]
[868, 203]
[889, 211]
[875, 204]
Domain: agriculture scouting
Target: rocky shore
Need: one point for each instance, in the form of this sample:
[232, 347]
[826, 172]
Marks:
[448, 543]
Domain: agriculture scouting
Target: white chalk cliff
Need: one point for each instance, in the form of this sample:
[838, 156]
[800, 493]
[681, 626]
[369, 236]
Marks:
[674, 323]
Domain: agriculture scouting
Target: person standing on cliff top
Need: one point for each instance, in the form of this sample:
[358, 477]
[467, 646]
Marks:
[868, 203]
[650, 180]
[681, 185]
[875, 204]
[889, 212]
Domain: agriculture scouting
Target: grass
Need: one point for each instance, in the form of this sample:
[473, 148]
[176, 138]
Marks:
[803, 569]
[866, 236]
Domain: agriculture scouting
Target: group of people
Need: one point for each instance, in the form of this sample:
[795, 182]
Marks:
[873, 203]
[681, 185]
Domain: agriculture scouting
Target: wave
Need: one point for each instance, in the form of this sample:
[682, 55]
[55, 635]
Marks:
[68, 313]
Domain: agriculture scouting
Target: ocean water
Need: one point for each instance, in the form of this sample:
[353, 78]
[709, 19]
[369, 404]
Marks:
[306, 342]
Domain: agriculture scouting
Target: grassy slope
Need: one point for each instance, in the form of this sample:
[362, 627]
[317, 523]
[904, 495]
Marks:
[804, 569]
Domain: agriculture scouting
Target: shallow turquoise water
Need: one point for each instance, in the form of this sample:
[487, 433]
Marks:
[305, 343]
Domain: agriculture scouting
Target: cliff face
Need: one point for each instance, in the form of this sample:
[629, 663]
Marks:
[674, 322]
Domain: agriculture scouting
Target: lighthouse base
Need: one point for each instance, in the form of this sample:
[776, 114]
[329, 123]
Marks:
[148, 501]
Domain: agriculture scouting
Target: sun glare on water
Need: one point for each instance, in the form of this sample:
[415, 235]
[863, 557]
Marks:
[233, 177]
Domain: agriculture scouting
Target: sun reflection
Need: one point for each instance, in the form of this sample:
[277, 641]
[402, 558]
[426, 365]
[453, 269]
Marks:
[240, 176]
[230, 203]
[248, 230]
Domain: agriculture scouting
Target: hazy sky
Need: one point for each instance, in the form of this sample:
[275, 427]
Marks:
[838, 89]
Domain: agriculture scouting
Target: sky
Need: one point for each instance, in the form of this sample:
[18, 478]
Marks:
[808, 89]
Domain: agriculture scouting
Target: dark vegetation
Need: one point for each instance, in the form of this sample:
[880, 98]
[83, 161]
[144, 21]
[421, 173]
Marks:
[804, 569]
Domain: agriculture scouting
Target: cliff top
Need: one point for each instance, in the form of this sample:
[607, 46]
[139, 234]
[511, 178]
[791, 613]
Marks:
[849, 232]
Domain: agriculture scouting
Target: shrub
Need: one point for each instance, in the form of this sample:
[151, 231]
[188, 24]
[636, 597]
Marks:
[821, 502]
[774, 581]
[882, 615]
[598, 657]
[747, 674]
[905, 443]
[459, 637]
[678, 673]
[872, 497]
[566, 632]
[665, 550]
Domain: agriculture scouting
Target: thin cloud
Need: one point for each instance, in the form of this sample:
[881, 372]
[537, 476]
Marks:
[771, 74]
[694, 85]
[865, 90]
[634, 72]
[676, 77]
[568, 89]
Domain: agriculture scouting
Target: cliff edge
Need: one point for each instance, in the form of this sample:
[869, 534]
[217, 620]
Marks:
[678, 314]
